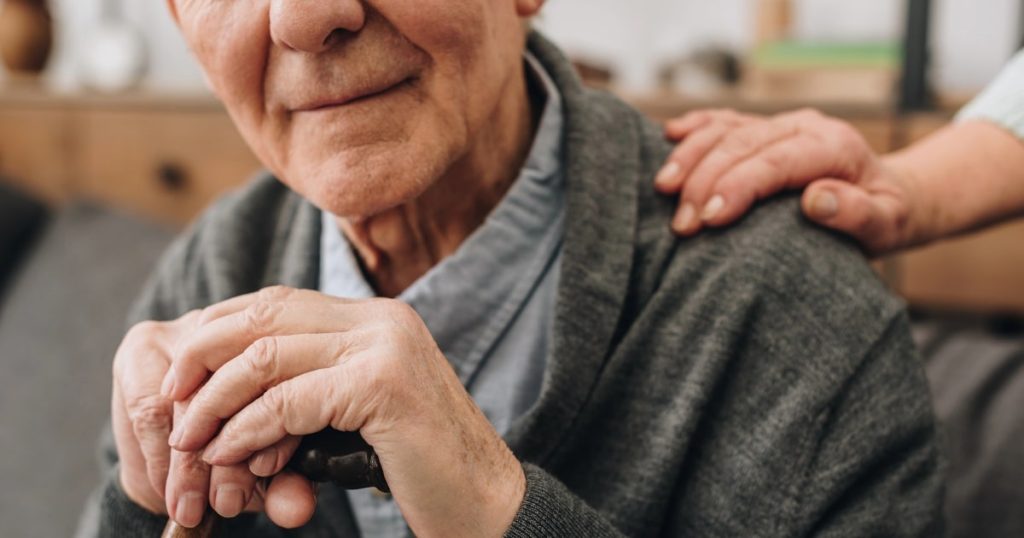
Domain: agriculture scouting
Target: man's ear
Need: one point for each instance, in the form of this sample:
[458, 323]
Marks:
[174, 11]
[525, 8]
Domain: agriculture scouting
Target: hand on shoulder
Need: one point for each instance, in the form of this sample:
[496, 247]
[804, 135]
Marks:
[726, 161]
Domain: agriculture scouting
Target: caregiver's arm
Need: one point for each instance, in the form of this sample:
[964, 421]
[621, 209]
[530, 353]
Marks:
[966, 176]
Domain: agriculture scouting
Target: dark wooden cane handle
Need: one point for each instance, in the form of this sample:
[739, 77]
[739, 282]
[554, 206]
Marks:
[328, 456]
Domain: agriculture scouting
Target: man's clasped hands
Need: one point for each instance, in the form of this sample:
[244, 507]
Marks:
[207, 405]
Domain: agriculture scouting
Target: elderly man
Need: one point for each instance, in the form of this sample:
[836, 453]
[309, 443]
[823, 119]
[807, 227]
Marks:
[555, 362]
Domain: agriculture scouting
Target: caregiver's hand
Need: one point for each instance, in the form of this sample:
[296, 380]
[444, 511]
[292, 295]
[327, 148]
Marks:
[292, 362]
[727, 161]
[153, 476]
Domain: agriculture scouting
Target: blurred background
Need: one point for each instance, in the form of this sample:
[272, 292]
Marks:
[110, 143]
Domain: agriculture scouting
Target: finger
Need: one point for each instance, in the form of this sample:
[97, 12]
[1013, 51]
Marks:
[215, 343]
[872, 219]
[259, 493]
[148, 412]
[131, 456]
[679, 128]
[791, 163]
[672, 178]
[188, 484]
[295, 407]
[231, 489]
[290, 500]
[267, 362]
[272, 294]
[272, 460]
[736, 147]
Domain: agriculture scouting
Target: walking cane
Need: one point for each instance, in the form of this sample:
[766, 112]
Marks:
[343, 458]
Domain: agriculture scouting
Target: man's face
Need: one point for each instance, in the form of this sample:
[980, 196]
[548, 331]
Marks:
[358, 105]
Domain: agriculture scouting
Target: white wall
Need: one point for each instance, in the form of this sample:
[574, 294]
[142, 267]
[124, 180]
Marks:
[972, 38]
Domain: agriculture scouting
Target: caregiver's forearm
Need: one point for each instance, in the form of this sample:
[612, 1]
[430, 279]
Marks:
[968, 175]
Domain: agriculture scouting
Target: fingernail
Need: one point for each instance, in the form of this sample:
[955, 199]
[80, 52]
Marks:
[685, 218]
[167, 387]
[668, 173]
[824, 205]
[190, 510]
[711, 209]
[263, 463]
[229, 500]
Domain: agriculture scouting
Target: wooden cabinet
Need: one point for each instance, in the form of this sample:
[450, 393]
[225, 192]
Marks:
[32, 145]
[983, 272]
[167, 166]
[162, 157]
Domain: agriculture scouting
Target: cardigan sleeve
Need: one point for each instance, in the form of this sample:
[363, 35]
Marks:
[549, 509]
[875, 468]
[1002, 102]
[870, 468]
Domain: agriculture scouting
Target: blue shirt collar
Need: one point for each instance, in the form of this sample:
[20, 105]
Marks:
[468, 300]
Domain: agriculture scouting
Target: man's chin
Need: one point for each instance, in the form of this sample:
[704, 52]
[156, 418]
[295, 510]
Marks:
[358, 195]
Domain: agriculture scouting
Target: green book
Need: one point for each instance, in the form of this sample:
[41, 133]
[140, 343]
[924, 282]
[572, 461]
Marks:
[801, 54]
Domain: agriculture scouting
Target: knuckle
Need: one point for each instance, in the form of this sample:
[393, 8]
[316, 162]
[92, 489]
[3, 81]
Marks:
[274, 294]
[261, 358]
[191, 464]
[775, 162]
[142, 334]
[206, 315]
[144, 328]
[846, 135]
[740, 142]
[860, 221]
[275, 401]
[396, 311]
[136, 347]
[149, 413]
[260, 316]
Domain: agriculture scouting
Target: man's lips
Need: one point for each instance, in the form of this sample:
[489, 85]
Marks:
[334, 101]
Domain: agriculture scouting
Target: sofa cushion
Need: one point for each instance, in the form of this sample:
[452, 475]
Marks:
[59, 327]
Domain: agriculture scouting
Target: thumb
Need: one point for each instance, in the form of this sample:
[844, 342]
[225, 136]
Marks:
[290, 500]
[868, 218]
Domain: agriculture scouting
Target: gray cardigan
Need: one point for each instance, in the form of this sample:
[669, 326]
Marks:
[757, 381]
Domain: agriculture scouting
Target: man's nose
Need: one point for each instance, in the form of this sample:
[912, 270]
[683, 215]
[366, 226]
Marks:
[311, 25]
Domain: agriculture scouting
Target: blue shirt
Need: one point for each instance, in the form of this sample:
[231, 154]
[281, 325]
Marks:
[490, 305]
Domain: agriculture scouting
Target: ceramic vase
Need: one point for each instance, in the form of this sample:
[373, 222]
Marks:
[115, 57]
[26, 35]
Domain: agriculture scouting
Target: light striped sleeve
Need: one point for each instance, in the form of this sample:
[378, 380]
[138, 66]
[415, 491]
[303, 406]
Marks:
[1003, 101]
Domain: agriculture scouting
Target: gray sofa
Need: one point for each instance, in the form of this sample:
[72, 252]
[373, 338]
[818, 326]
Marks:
[60, 324]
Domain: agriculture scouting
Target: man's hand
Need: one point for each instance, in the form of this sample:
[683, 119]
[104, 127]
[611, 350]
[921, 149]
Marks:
[288, 363]
[155, 477]
[726, 161]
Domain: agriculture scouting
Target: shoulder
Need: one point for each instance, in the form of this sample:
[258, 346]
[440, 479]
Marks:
[228, 250]
[773, 249]
[807, 294]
